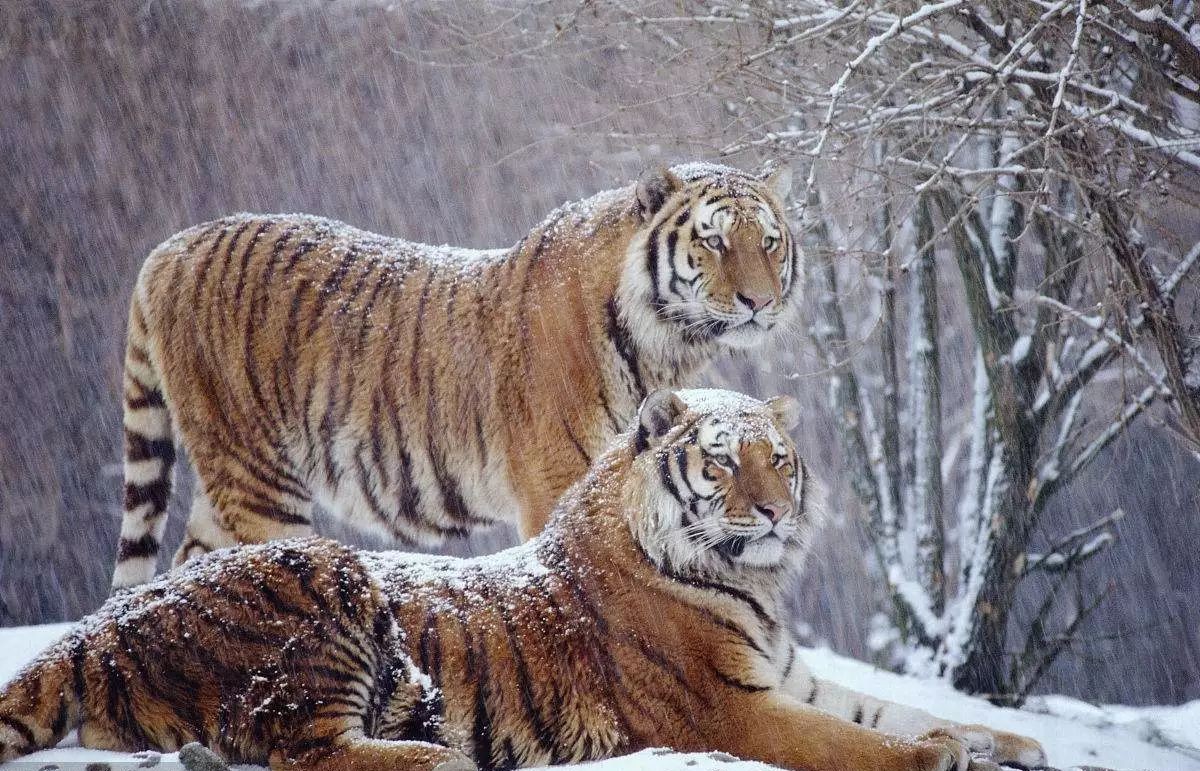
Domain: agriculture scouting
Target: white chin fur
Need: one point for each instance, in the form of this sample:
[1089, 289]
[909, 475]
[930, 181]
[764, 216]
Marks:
[763, 553]
[744, 336]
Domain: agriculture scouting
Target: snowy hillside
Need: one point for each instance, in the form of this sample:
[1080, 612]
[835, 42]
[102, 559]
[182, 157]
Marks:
[1074, 733]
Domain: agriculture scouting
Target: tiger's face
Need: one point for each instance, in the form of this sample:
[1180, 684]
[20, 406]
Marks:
[720, 261]
[725, 485]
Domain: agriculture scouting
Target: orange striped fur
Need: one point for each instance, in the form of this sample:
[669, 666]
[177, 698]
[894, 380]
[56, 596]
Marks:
[649, 613]
[424, 391]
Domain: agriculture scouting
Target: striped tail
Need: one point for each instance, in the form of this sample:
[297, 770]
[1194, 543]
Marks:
[40, 705]
[149, 458]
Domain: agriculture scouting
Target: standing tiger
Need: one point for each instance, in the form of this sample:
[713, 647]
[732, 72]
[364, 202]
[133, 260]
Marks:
[424, 391]
[649, 613]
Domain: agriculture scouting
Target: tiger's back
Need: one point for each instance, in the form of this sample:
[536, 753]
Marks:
[419, 391]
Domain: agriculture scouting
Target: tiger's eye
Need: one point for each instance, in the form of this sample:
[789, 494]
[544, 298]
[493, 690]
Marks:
[714, 242]
[714, 470]
[770, 242]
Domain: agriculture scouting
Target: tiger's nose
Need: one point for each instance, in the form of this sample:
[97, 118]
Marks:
[773, 510]
[756, 302]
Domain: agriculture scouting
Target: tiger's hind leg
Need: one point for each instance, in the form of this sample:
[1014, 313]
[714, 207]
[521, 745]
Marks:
[241, 518]
[359, 753]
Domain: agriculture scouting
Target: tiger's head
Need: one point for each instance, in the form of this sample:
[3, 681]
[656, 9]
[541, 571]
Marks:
[714, 259]
[722, 487]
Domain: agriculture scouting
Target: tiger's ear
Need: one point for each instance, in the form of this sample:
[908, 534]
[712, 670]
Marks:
[778, 180]
[653, 190]
[786, 411]
[658, 413]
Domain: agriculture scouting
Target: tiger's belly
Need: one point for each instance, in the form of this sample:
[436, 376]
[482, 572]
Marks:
[418, 495]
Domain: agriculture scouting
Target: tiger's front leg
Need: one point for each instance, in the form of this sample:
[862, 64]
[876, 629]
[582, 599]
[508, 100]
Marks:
[772, 727]
[902, 720]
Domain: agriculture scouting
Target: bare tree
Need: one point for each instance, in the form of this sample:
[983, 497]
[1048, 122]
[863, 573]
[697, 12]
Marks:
[1047, 150]
[1007, 137]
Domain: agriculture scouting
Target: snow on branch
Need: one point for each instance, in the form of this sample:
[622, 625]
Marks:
[1076, 547]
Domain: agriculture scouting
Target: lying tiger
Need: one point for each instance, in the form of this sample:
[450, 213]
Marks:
[419, 391]
[648, 613]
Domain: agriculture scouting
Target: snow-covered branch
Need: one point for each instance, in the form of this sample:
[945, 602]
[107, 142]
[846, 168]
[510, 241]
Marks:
[1076, 547]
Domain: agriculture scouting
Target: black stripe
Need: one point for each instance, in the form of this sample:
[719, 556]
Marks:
[660, 660]
[350, 700]
[617, 425]
[664, 474]
[452, 499]
[78, 658]
[259, 309]
[676, 279]
[858, 715]
[418, 329]
[812, 695]
[228, 256]
[755, 606]
[376, 429]
[201, 270]
[21, 728]
[368, 490]
[331, 284]
[155, 493]
[241, 279]
[151, 397]
[58, 726]
[622, 340]
[409, 497]
[119, 708]
[273, 512]
[429, 644]
[734, 682]
[587, 460]
[542, 732]
[732, 627]
[139, 447]
[481, 728]
[314, 748]
[272, 477]
[328, 424]
[146, 546]
[369, 306]
[876, 716]
[286, 356]
[656, 300]
[256, 316]
[787, 670]
[599, 655]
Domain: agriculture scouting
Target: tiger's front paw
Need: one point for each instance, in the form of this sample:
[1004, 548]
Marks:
[1000, 746]
[940, 751]
[453, 760]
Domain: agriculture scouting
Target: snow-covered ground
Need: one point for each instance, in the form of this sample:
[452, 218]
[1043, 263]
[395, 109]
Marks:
[1073, 732]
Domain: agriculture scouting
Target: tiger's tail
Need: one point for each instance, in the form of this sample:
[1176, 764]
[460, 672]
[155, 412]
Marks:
[40, 705]
[149, 458]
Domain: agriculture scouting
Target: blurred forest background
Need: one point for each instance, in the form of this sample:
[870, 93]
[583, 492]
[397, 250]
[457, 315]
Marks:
[123, 122]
